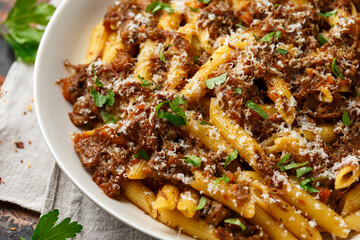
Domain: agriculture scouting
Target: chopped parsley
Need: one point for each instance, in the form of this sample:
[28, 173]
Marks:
[321, 40]
[161, 55]
[177, 119]
[46, 228]
[282, 51]
[202, 122]
[305, 185]
[335, 69]
[142, 155]
[223, 178]
[239, 25]
[107, 117]
[100, 100]
[193, 9]
[210, 83]
[145, 83]
[302, 171]
[256, 108]
[328, 14]
[196, 58]
[256, 38]
[269, 37]
[204, 1]
[201, 204]
[276, 5]
[97, 82]
[237, 222]
[291, 166]
[239, 91]
[157, 6]
[345, 118]
[283, 159]
[194, 160]
[232, 156]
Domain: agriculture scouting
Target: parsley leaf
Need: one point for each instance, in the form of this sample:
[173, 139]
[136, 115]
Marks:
[100, 99]
[97, 82]
[210, 83]
[282, 51]
[276, 5]
[145, 83]
[161, 55]
[305, 185]
[202, 122]
[204, 1]
[232, 156]
[22, 35]
[240, 25]
[239, 91]
[223, 178]
[201, 204]
[291, 166]
[193, 9]
[302, 171]
[179, 119]
[107, 117]
[157, 6]
[196, 58]
[345, 118]
[256, 38]
[235, 221]
[194, 160]
[253, 106]
[328, 14]
[321, 40]
[335, 69]
[46, 228]
[283, 159]
[269, 37]
[142, 155]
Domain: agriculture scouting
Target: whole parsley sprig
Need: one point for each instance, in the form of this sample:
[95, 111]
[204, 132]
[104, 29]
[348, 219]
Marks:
[46, 228]
[24, 27]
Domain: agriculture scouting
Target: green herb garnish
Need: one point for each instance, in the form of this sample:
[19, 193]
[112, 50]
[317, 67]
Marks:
[202, 122]
[345, 118]
[283, 159]
[158, 6]
[223, 178]
[231, 157]
[161, 55]
[46, 228]
[282, 51]
[25, 26]
[145, 83]
[235, 221]
[302, 171]
[256, 38]
[239, 91]
[305, 185]
[107, 117]
[193, 9]
[210, 83]
[100, 99]
[97, 82]
[196, 58]
[201, 204]
[142, 155]
[291, 166]
[335, 69]
[240, 25]
[256, 108]
[179, 119]
[328, 14]
[321, 40]
[204, 1]
[194, 160]
[269, 37]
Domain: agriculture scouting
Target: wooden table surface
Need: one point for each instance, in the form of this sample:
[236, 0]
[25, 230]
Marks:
[15, 221]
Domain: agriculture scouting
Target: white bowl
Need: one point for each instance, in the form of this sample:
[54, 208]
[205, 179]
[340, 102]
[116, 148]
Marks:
[67, 37]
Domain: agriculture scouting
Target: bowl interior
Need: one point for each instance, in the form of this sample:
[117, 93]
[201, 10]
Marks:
[67, 37]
